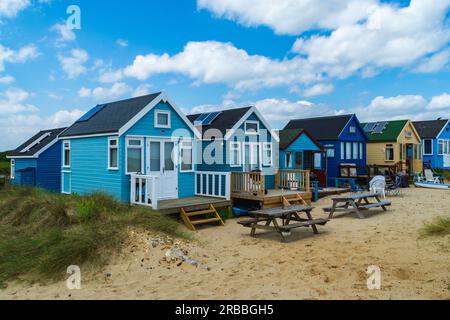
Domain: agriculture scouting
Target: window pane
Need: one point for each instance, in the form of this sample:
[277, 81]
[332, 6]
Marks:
[67, 158]
[134, 160]
[355, 150]
[428, 146]
[113, 158]
[267, 154]
[186, 157]
[155, 156]
[330, 152]
[134, 142]
[251, 127]
[163, 119]
[298, 160]
[342, 150]
[288, 159]
[361, 151]
[168, 156]
[317, 161]
[348, 150]
[113, 142]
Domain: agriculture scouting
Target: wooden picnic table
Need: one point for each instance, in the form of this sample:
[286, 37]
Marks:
[357, 203]
[266, 219]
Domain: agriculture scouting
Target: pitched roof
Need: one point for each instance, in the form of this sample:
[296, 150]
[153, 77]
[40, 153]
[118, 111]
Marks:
[110, 116]
[287, 137]
[225, 121]
[390, 133]
[36, 143]
[429, 129]
[323, 128]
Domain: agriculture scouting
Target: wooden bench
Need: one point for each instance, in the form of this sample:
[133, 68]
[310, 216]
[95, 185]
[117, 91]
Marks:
[289, 227]
[374, 205]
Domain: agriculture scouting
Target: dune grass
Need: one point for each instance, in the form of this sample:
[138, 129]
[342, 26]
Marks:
[42, 233]
[438, 227]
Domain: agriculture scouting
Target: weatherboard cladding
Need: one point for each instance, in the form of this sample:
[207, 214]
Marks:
[323, 128]
[38, 147]
[390, 132]
[429, 129]
[111, 117]
[225, 121]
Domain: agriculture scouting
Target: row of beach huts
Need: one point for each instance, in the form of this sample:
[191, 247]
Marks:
[146, 151]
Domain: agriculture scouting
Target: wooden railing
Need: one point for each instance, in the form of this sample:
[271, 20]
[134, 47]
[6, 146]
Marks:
[247, 182]
[293, 180]
[212, 184]
[144, 190]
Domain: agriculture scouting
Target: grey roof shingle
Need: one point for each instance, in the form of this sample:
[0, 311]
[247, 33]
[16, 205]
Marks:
[429, 129]
[53, 134]
[322, 128]
[225, 121]
[111, 118]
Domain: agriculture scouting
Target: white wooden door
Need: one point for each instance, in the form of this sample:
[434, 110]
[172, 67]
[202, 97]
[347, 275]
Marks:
[161, 156]
[446, 160]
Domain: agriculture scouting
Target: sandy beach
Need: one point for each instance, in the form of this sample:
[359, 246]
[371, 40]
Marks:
[331, 265]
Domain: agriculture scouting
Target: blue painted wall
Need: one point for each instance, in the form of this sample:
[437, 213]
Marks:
[436, 159]
[22, 164]
[89, 159]
[301, 144]
[48, 174]
[333, 164]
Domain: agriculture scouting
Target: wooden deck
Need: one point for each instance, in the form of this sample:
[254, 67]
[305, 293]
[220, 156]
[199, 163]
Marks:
[191, 203]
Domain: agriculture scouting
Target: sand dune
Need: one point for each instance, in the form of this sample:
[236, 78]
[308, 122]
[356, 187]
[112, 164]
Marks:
[331, 265]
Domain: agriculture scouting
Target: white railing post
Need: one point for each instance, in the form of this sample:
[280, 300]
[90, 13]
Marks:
[154, 194]
[133, 189]
[227, 186]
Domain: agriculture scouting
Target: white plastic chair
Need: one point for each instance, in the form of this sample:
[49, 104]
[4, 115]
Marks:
[378, 185]
[430, 177]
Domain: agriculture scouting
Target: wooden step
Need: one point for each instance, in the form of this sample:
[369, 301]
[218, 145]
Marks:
[186, 216]
[195, 222]
[198, 213]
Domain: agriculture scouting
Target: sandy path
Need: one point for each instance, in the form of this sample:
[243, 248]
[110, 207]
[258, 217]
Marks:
[331, 265]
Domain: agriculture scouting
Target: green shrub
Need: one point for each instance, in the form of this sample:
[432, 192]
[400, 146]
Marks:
[439, 227]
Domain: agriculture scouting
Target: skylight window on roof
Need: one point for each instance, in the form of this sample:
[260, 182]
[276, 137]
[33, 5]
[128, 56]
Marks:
[35, 142]
[88, 115]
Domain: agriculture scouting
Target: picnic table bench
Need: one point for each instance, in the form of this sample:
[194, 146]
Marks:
[266, 219]
[356, 203]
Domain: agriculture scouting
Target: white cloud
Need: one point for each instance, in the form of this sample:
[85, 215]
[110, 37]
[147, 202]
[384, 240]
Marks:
[110, 76]
[6, 79]
[435, 63]
[440, 102]
[13, 101]
[65, 34]
[17, 128]
[217, 62]
[141, 90]
[290, 16]
[10, 8]
[122, 43]
[318, 90]
[390, 37]
[73, 65]
[22, 55]
[101, 93]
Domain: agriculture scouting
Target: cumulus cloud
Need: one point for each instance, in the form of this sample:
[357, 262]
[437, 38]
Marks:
[6, 79]
[13, 100]
[17, 128]
[65, 34]
[122, 43]
[318, 90]
[390, 37]
[22, 55]
[440, 102]
[290, 16]
[434, 63]
[102, 93]
[141, 90]
[10, 8]
[217, 62]
[73, 65]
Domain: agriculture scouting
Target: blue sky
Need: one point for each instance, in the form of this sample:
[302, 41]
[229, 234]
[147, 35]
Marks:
[290, 58]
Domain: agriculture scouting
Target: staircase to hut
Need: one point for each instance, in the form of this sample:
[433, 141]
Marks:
[198, 217]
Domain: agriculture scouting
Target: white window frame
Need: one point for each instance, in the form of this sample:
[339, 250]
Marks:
[317, 158]
[267, 146]
[162, 126]
[424, 143]
[64, 153]
[183, 147]
[355, 151]
[352, 129]
[251, 132]
[257, 146]
[330, 148]
[441, 143]
[109, 152]
[128, 146]
[13, 169]
[235, 147]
